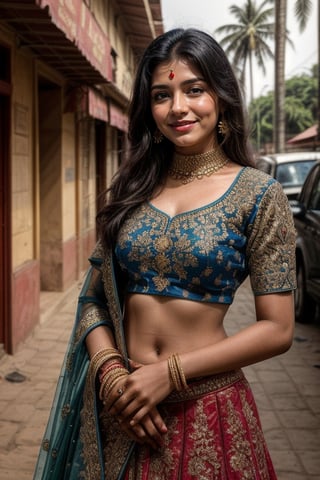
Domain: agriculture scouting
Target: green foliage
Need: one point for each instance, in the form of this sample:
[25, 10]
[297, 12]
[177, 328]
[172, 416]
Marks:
[300, 109]
[302, 10]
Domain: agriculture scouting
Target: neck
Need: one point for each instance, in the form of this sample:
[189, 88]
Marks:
[187, 168]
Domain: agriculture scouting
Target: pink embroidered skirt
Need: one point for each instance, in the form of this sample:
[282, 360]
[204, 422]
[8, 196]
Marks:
[214, 433]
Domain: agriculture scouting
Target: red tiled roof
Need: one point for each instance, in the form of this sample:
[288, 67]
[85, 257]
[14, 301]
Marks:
[308, 134]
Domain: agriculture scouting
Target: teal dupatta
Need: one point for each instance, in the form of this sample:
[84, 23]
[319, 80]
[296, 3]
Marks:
[72, 447]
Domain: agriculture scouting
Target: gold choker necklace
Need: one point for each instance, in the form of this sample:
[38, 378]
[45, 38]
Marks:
[189, 167]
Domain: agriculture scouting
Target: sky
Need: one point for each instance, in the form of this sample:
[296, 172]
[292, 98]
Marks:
[208, 15]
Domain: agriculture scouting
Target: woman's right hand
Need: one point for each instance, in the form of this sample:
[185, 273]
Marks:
[150, 428]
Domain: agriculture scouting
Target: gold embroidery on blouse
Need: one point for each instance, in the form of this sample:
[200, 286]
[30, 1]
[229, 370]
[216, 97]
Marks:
[163, 247]
[272, 236]
[163, 243]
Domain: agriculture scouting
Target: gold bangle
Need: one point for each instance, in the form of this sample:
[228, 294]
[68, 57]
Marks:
[108, 366]
[173, 374]
[108, 379]
[102, 356]
[176, 374]
[104, 352]
[182, 376]
[109, 382]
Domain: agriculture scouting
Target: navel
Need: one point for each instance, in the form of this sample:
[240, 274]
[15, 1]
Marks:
[157, 349]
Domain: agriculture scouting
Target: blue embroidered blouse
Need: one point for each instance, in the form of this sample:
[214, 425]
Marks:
[206, 253]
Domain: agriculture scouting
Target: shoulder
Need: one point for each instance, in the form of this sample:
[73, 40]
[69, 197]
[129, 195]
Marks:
[251, 185]
[258, 176]
[260, 184]
[259, 196]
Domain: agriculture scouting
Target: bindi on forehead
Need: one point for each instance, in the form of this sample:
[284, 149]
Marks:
[170, 70]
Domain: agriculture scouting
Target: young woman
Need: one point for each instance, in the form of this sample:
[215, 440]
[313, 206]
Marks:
[152, 387]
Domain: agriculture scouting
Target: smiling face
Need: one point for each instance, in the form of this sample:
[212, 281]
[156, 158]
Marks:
[184, 108]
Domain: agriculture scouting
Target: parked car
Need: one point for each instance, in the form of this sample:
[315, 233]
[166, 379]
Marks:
[306, 212]
[290, 169]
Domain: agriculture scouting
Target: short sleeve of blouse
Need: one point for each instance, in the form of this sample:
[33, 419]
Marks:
[271, 244]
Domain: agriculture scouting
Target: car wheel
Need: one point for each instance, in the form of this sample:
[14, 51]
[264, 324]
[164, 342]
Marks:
[305, 307]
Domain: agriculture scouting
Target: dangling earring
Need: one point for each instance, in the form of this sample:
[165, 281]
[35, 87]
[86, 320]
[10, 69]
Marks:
[223, 128]
[157, 136]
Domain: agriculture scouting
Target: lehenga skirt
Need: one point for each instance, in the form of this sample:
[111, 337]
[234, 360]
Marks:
[214, 433]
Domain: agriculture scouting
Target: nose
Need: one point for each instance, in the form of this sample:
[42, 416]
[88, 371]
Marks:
[179, 104]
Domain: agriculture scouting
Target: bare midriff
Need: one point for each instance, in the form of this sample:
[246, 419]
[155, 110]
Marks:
[157, 326]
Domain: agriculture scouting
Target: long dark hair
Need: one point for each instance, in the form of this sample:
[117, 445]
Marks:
[146, 164]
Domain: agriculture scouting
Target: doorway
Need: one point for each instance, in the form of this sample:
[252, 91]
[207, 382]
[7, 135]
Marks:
[50, 191]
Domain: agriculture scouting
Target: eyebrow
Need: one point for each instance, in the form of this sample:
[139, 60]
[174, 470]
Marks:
[186, 82]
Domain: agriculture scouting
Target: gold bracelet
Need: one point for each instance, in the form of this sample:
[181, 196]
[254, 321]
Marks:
[104, 352]
[102, 356]
[182, 376]
[173, 374]
[112, 383]
[176, 374]
[108, 366]
[109, 382]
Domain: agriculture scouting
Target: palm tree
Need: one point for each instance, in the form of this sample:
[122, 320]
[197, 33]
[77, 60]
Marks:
[302, 12]
[279, 78]
[248, 37]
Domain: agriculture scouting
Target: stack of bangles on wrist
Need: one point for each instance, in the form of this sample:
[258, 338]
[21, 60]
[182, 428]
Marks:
[111, 370]
[177, 377]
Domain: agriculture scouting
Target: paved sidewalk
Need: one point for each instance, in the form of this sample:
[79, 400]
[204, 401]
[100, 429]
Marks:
[287, 390]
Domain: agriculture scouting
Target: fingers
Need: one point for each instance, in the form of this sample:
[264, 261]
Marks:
[143, 428]
[145, 432]
[115, 394]
[134, 410]
[153, 414]
[134, 365]
[135, 434]
[133, 402]
[125, 404]
[158, 421]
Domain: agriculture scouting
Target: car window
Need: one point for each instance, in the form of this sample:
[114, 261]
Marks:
[293, 174]
[314, 203]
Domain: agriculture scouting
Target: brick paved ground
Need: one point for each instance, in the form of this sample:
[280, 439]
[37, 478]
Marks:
[287, 390]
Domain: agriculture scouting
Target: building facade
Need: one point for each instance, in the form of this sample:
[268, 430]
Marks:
[66, 70]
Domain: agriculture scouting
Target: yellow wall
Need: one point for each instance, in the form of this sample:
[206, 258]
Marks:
[68, 177]
[78, 181]
[87, 187]
[22, 160]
